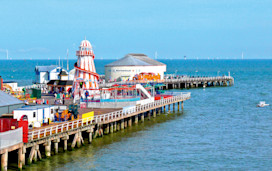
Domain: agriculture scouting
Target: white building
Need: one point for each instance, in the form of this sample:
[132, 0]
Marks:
[130, 65]
[46, 73]
[40, 113]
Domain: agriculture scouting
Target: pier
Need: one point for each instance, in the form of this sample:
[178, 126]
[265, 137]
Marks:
[183, 82]
[49, 138]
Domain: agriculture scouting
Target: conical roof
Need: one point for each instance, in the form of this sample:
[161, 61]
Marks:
[134, 59]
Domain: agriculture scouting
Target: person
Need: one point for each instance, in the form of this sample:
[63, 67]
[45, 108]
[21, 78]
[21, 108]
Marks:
[55, 95]
[63, 101]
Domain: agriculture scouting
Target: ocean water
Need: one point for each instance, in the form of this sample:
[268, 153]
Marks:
[220, 128]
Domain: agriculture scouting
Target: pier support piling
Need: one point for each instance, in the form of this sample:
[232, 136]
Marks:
[111, 127]
[106, 129]
[115, 127]
[20, 158]
[129, 121]
[178, 106]
[154, 113]
[122, 124]
[47, 148]
[4, 161]
[65, 139]
[56, 145]
[142, 117]
[125, 123]
[136, 119]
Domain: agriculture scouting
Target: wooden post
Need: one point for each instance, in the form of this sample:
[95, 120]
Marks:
[174, 105]
[178, 106]
[32, 154]
[38, 153]
[65, 139]
[111, 127]
[90, 137]
[164, 108]
[159, 111]
[154, 113]
[4, 161]
[136, 119]
[125, 122]
[20, 160]
[114, 126]
[142, 117]
[148, 115]
[122, 124]
[47, 148]
[169, 109]
[129, 121]
[23, 155]
[56, 146]
[182, 105]
[106, 129]
[74, 141]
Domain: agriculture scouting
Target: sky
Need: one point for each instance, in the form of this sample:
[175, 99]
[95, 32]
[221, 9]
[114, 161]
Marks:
[200, 29]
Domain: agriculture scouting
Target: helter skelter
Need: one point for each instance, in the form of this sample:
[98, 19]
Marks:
[86, 78]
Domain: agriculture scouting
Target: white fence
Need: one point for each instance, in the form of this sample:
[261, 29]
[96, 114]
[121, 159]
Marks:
[36, 134]
[10, 138]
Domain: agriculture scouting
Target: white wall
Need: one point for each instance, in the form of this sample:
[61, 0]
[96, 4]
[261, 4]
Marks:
[116, 72]
[39, 117]
[43, 77]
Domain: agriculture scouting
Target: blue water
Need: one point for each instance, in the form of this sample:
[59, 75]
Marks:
[220, 128]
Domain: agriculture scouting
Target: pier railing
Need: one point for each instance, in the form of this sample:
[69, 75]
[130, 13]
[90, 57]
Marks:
[172, 80]
[198, 79]
[10, 138]
[70, 125]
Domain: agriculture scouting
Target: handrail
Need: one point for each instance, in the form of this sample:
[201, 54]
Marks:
[70, 125]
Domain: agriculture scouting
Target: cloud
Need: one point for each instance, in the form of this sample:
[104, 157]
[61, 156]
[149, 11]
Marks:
[36, 49]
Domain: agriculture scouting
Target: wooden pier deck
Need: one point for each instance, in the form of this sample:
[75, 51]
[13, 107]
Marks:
[184, 82]
[94, 127]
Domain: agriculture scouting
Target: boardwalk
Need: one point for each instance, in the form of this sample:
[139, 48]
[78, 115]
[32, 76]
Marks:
[183, 82]
[94, 127]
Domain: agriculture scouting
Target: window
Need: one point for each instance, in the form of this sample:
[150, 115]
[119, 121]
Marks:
[34, 114]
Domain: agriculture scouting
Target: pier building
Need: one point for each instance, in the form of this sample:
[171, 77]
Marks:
[8, 103]
[44, 74]
[133, 64]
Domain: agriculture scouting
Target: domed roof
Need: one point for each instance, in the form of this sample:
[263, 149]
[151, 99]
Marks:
[85, 44]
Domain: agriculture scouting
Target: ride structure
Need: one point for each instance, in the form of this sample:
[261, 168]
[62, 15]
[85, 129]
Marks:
[86, 78]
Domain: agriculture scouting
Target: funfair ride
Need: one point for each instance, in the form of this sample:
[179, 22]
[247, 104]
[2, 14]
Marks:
[86, 79]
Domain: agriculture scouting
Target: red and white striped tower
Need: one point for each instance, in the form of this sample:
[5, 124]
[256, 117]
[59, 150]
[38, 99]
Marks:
[85, 70]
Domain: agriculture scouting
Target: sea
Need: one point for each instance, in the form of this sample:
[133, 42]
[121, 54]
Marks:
[220, 128]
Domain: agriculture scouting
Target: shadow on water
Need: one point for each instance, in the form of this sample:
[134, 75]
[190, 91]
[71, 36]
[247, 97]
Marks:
[89, 153]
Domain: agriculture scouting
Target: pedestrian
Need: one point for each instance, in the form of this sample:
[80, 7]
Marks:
[55, 95]
[63, 101]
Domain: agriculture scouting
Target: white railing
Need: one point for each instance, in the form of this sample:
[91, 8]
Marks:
[10, 138]
[198, 79]
[69, 125]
